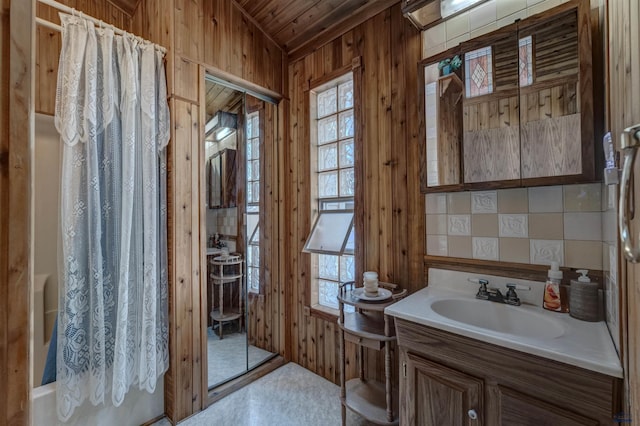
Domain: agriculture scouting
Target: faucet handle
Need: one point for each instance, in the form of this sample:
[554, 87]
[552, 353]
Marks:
[482, 281]
[512, 286]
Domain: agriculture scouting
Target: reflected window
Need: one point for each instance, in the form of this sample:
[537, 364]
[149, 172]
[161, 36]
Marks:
[253, 202]
[478, 71]
[525, 61]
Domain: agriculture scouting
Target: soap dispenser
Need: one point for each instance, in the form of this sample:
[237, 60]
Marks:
[585, 300]
[552, 299]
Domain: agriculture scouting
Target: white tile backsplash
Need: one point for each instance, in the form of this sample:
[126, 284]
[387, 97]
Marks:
[482, 15]
[435, 35]
[513, 225]
[543, 252]
[459, 225]
[545, 199]
[484, 202]
[457, 26]
[509, 7]
[586, 226]
[485, 248]
[436, 203]
[437, 245]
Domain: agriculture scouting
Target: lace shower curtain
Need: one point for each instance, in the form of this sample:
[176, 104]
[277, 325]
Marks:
[113, 117]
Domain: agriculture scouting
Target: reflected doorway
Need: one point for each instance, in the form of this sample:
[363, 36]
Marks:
[234, 135]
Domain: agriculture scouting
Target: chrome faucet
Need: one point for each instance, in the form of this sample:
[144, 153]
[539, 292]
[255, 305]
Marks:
[493, 294]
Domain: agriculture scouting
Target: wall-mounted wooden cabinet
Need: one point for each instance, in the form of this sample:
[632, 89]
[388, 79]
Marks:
[522, 114]
[222, 179]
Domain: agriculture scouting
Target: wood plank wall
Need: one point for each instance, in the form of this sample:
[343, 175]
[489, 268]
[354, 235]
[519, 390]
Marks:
[392, 208]
[16, 127]
[624, 108]
[48, 43]
[212, 35]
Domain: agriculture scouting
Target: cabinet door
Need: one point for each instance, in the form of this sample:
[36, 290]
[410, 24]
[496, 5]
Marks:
[435, 395]
[508, 407]
[556, 96]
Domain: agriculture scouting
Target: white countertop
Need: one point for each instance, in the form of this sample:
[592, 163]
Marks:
[583, 344]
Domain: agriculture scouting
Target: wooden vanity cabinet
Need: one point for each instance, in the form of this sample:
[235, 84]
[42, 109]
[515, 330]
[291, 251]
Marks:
[447, 379]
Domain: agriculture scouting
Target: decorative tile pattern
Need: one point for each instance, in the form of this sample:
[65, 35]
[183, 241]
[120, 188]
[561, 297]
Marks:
[485, 248]
[478, 72]
[484, 202]
[437, 245]
[525, 61]
[436, 203]
[543, 252]
[459, 225]
[513, 225]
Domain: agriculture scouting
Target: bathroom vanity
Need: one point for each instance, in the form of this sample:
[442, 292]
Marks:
[501, 371]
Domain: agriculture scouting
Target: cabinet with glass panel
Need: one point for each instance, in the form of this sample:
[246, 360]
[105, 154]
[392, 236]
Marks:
[518, 111]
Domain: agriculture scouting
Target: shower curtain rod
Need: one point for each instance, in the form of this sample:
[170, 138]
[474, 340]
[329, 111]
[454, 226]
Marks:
[66, 9]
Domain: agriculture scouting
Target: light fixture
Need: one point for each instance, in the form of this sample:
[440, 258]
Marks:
[425, 13]
[221, 125]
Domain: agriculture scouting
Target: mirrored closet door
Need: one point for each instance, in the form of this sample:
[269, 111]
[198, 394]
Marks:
[237, 125]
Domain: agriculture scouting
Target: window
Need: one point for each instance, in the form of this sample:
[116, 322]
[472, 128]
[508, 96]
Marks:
[253, 202]
[331, 240]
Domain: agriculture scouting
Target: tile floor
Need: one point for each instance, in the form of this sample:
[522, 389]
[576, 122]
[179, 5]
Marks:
[228, 357]
[288, 396]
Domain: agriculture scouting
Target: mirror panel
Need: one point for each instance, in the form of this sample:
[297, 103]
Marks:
[491, 139]
[443, 92]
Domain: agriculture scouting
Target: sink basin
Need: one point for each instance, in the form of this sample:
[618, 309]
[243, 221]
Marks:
[498, 317]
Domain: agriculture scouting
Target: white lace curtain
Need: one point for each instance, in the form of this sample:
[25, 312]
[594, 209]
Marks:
[113, 117]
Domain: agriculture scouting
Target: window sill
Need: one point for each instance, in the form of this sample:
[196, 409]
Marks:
[324, 313]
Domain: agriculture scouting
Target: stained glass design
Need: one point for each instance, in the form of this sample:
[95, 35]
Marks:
[336, 178]
[478, 69]
[525, 61]
[328, 184]
[347, 182]
[327, 102]
[327, 130]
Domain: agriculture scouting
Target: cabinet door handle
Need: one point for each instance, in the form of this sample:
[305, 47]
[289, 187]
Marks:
[472, 414]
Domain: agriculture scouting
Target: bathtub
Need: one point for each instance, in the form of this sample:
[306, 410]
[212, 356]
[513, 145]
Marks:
[138, 407]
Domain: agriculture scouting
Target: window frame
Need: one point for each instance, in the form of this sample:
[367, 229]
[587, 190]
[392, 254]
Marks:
[355, 68]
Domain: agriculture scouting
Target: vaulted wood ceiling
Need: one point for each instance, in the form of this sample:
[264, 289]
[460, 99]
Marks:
[300, 26]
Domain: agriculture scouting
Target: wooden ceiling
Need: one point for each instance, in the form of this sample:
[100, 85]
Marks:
[221, 98]
[300, 26]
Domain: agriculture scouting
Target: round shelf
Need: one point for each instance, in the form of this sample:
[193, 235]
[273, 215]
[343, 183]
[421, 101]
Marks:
[230, 315]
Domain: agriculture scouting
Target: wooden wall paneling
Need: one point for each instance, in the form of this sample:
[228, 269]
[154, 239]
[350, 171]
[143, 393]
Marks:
[154, 20]
[283, 308]
[371, 163]
[4, 202]
[384, 140]
[16, 96]
[48, 44]
[186, 72]
[184, 347]
[398, 145]
[624, 90]
[189, 30]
